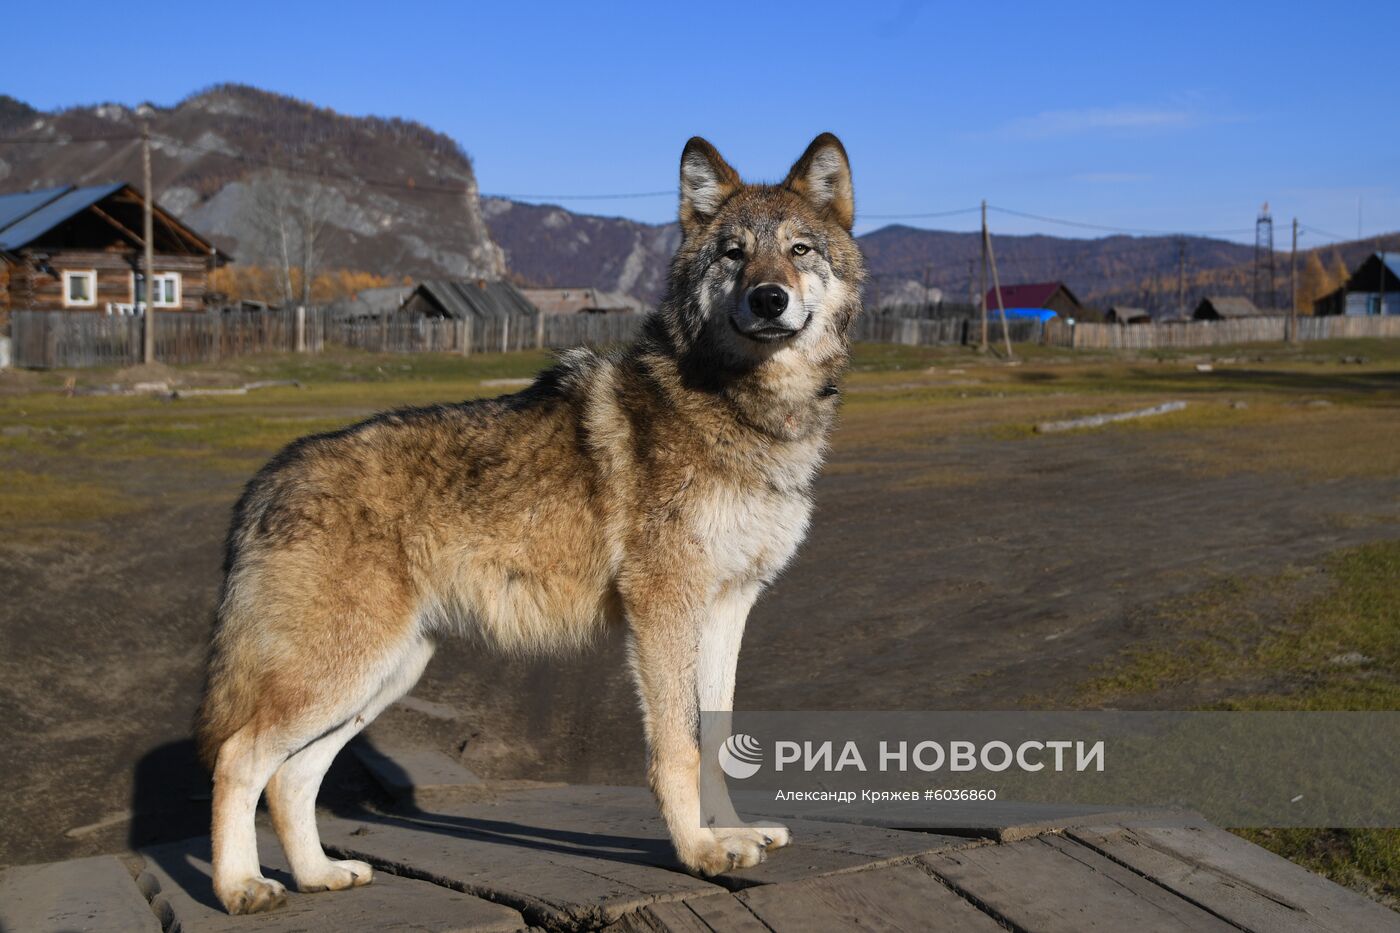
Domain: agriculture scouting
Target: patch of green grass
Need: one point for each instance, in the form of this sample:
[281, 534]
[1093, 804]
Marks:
[39, 499]
[342, 365]
[1365, 860]
[1339, 650]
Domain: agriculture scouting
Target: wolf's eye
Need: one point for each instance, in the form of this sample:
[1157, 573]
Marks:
[734, 253]
[800, 249]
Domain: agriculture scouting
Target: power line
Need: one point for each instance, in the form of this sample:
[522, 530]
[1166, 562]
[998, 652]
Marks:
[1307, 228]
[341, 176]
[626, 195]
[960, 210]
[68, 140]
[1110, 229]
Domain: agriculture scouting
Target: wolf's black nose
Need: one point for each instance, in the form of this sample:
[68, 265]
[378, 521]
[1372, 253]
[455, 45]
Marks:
[768, 301]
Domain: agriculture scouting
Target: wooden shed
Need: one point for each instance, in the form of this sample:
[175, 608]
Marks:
[477, 299]
[580, 301]
[1120, 314]
[1052, 296]
[1227, 308]
[80, 249]
[1374, 288]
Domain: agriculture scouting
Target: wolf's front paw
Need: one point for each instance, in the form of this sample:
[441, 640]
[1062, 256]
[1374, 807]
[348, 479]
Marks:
[716, 855]
[337, 876]
[251, 895]
[768, 836]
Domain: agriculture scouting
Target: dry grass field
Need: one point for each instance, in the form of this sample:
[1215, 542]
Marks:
[1243, 553]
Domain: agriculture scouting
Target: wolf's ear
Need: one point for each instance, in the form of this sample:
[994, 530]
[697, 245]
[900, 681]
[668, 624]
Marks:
[823, 177]
[707, 181]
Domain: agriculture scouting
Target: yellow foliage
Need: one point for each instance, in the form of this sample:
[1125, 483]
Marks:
[264, 283]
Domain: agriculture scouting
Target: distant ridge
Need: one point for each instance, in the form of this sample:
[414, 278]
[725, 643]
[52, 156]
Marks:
[403, 200]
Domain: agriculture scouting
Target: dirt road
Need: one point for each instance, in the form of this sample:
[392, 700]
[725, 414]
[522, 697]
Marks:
[960, 569]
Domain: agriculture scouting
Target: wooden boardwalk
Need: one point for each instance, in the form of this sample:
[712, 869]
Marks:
[484, 858]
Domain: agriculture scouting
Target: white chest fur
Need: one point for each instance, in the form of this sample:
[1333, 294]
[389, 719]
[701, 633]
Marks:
[751, 530]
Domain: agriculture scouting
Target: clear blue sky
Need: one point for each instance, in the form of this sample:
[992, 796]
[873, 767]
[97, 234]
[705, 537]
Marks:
[1182, 116]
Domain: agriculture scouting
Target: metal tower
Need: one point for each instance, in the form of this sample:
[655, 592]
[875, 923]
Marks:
[1264, 259]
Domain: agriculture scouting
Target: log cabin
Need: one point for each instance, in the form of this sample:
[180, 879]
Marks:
[80, 249]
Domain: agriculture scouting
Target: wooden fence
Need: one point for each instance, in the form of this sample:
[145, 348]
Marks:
[414, 334]
[54, 339]
[74, 339]
[50, 339]
[937, 331]
[1186, 334]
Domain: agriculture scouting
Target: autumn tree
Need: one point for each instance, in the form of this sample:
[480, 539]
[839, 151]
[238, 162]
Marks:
[289, 218]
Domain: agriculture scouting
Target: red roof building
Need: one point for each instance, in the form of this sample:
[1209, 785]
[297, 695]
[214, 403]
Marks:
[1054, 296]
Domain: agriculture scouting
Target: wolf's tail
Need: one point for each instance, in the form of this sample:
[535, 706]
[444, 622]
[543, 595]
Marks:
[228, 705]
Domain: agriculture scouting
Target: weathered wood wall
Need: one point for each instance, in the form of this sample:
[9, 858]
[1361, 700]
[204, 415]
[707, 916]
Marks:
[34, 287]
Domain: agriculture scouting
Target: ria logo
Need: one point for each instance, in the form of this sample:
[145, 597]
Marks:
[740, 756]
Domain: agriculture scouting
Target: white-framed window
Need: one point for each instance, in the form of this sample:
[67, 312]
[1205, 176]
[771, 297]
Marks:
[167, 290]
[80, 288]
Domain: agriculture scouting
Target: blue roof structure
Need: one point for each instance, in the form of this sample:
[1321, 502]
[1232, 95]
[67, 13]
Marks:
[21, 204]
[26, 216]
[1014, 314]
[1392, 262]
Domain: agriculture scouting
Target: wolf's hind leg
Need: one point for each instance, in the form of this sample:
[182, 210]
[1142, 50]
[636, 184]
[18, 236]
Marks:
[291, 795]
[246, 761]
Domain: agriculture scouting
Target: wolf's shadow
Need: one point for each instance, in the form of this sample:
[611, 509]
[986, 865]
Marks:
[171, 804]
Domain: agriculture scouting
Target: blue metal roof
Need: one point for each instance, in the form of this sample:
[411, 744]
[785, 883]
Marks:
[1039, 314]
[22, 203]
[1392, 262]
[26, 217]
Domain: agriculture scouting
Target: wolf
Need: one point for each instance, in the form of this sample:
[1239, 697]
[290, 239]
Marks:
[659, 488]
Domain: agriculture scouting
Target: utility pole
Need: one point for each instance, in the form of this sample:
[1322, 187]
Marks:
[1380, 254]
[148, 234]
[996, 287]
[1293, 286]
[1181, 277]
[982, 292]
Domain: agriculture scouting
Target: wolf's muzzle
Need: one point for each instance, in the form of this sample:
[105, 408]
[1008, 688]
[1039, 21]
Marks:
[768, 301]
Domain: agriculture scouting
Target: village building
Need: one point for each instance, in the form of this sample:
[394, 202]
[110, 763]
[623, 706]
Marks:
[1373, 289]
[1048, 296]
[370, 303]
[1121, 314]
[1228, 308]
[80, 249]
[473, 299]
[580, 301]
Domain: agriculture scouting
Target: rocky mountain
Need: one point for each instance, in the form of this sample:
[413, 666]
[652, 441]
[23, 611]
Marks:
[396, 199]
[391, 197]
[550, 246]
[1140, 271]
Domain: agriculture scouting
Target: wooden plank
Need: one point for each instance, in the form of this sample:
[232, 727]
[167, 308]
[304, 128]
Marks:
[90, 895]
[1247, 885]
[819, 847]
[555, 878]
[404, 769]
[900, 898]
[177, 879]
[1053, 885]
[694, 915]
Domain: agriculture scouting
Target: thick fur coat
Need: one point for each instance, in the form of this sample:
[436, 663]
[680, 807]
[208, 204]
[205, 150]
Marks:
[660, 488]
